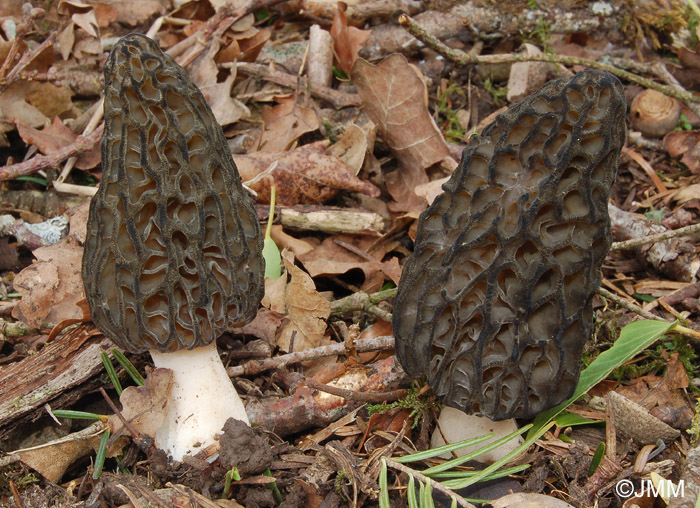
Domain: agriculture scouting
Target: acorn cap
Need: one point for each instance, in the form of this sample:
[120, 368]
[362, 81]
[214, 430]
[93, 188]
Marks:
[173, 255]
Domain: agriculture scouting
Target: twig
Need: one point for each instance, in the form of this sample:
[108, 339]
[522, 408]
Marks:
[660, 237]
[363, 301]
[15, 329]
[80, 145]
[434, 484]
[371, 397]
[683, 330]
[627, 305]
[463, 59]
[256, 366]
[127, 425]
[661, 71]
[338, 99]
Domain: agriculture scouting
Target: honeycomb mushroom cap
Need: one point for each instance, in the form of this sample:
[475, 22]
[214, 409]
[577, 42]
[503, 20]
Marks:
[495, 303]
[173, 255]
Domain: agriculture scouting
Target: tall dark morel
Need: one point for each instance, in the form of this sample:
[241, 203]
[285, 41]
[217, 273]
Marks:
[495, 304]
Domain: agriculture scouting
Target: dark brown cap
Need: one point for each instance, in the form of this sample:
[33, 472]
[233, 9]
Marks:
[173, 255]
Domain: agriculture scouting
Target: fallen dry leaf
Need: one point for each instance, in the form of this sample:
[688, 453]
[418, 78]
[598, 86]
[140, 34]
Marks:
[307, 311]
[527, 77]
[352, 147]
[203, 69]
[528, 500]
[274, 297]
[52, 285]
[392, 96]
[250, 46]
[144, 406]
[687, 193]
[331, 258]
[128, 13]
[302, 176]
[297, 245]
[227, 109]
[265, 326]
[686, 145]
[347, 40]
[429, 191]
[284, 124]
[52, 460]
[15, 108]
[402, 184]
[55, 137]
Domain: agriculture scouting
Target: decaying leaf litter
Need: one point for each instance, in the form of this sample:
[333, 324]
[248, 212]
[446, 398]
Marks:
[355, 155]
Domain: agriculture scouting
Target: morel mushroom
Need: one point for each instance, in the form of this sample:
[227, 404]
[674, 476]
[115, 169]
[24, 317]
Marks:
[495, 303]
[173, 256]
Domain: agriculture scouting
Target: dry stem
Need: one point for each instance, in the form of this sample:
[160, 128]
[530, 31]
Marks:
[463, 59]
[80, 145]
[434, 484]
[660, 237]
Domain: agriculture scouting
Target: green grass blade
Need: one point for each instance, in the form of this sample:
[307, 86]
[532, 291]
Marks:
[128, 367]
[383, 487]
[434, 452]
[468, 474]
[411, 493]
[276, 494]
[78, 415]
[111, 373]
[101, 454]
[503, 461]
[476, 453]
[428, 499]
[634, 337]
[597, 458]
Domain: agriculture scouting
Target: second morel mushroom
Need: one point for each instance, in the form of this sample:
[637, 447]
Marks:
[173, 256]
[495, 303]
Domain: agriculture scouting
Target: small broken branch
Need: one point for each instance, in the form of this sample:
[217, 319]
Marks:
[365, 302]
[463, 59]
[256, 366]
[673, 233]
[80, 145]
[335, 97]
[371, 397]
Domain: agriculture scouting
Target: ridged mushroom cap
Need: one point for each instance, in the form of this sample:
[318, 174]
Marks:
[495, 303]
[173, 256]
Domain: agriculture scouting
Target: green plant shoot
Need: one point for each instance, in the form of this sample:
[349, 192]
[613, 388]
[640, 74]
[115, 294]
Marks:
[273, 260]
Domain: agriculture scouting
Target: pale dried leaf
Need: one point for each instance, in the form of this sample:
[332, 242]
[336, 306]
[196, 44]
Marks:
[429, 191]
[86, 21]
[55, 137]
[307, 311]
[351, 147]
[331, 258]
[284, 124]
[284, 241]
[347, 40]
[66, 39]
[393, 97]
[51, 286]
[15, 109]
[686, 145]
[227, 109]
[302, 176]
[129, 13]
[144, 407]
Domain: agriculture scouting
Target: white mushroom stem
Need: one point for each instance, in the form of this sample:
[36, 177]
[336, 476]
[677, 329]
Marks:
[201, 400]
